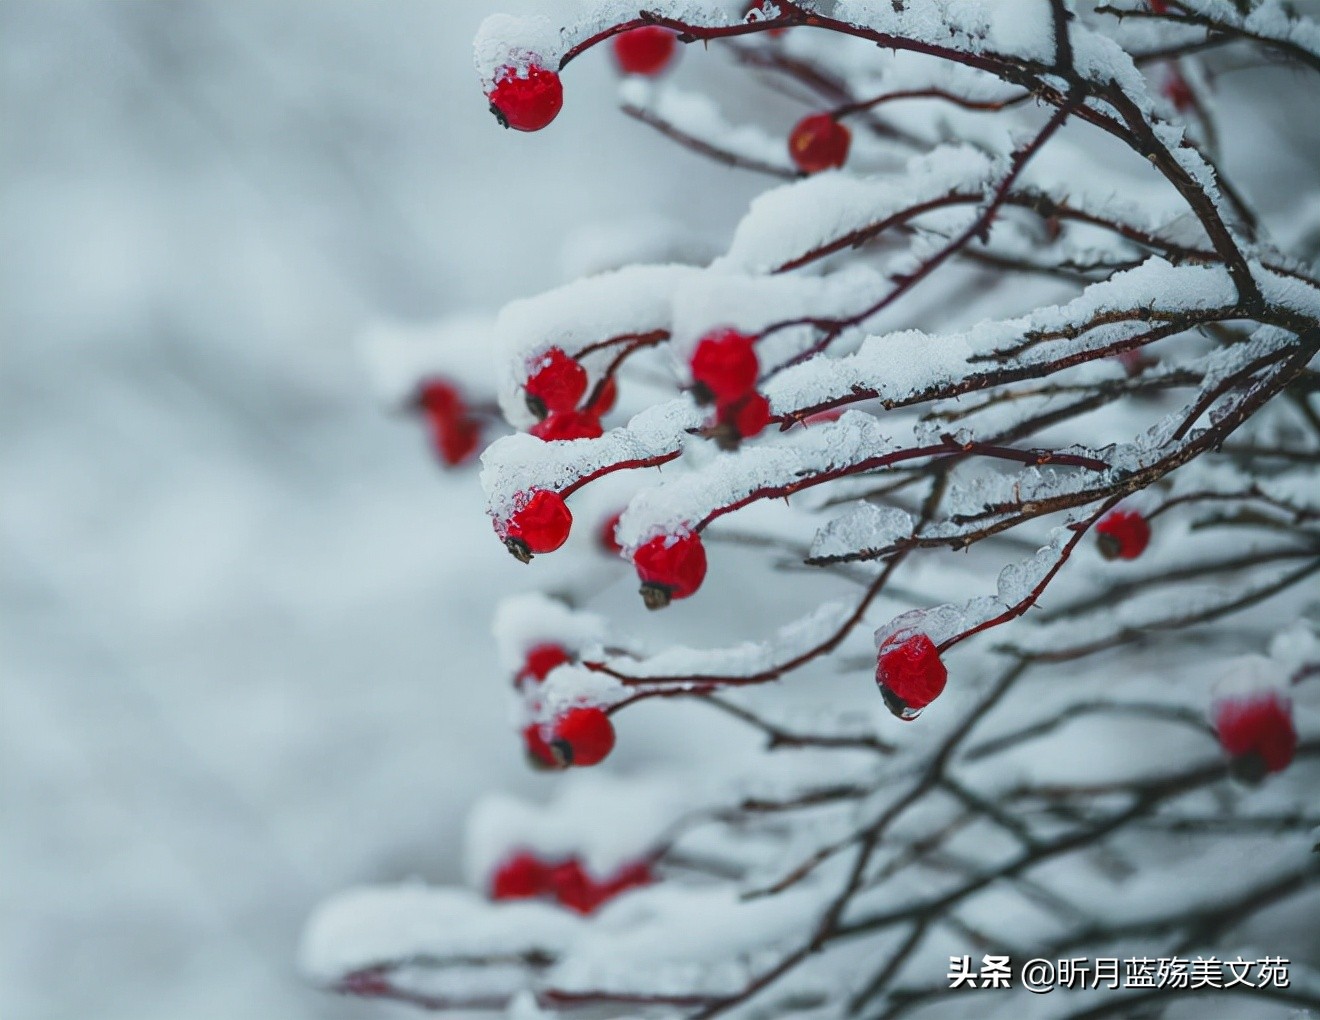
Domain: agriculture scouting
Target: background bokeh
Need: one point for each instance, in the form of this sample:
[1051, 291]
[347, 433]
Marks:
[246, 653]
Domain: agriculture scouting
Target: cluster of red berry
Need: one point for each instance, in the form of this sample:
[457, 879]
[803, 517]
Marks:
[555, 386]
[724, 372]
[580, 736]
[455, 433]
[525, 876]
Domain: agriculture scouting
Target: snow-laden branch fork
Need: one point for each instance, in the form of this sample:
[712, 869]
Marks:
[1000, 299]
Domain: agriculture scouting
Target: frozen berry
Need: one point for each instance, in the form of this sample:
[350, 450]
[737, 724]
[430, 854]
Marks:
[539, 525]
[671, 567]
[568, 425]
[605, 399]
[724, 366]
[540, 660]
[819, 142]
[647, 50]
[520, 877]
[1256, 730]
[526, 102]
[910, 674]
[538, 751]
[609, 541]
[1123, 535]
[582, 736]
[556, 383]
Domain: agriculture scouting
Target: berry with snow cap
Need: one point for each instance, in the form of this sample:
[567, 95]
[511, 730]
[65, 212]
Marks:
[568, 425]
[557, 384]
[609, 541]
[1256, 730]
[724, 366]
[819, 142]
[910, 674]
[647, 50]
[540, 525]
[1123, 535]
[670, 567]
[582, 736]
[526, 102]
[540, 660]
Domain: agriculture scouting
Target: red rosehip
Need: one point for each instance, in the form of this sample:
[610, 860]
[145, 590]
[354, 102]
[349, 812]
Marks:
[819, 142]
[749, 415]
[573, 888]
[538, 751]
[608, 540]
[454, 435]
[724, 366]
[526, 102]
[540, 660]
[568, 425]
[520, 877]
[1159, 6]
[630, 876]
[1256, 730]
[1123, 535]
[556, 383]
[582, 736]
[606, 399]
[1176, 90]
[646, 50]
[540, 525]
[911, 675]
[670, 567]
[441, 398]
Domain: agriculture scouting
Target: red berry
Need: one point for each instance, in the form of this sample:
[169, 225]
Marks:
[540, 660]
[526, 102]
[455, 440]
[520, 877]
[1159, 6]
[582, 736]
[568, 425]
[538, 751]
[911, 674]
[819, 142]
[749, 415]
[671, 567]
[439, 397]
[608, 540]
[606, 399]
[1123, 535]
[724, 366]
[630, 876]
[1257, 732]
[646, 50]
[1176, 90]
[540, 525]
[556, 383]
[573, 887]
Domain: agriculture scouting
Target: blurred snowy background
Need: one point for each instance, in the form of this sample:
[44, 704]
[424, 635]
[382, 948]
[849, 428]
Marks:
[245, 617]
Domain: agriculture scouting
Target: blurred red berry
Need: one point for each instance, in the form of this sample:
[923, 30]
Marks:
[606, 399]
[749, 415]
[540, 660]
[1257, 732]
[1176, 90]
[724, 366]
[455, 435]
[540, 525]
[647, 50]
[526, 102]
[538, 751]
[556, 383]
[568, 425]
[670, 567]
[608, 540]
[582, 736]
[911, 675]
[819, 142]
[520, 877]
[1122, 535]
[572, 887]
